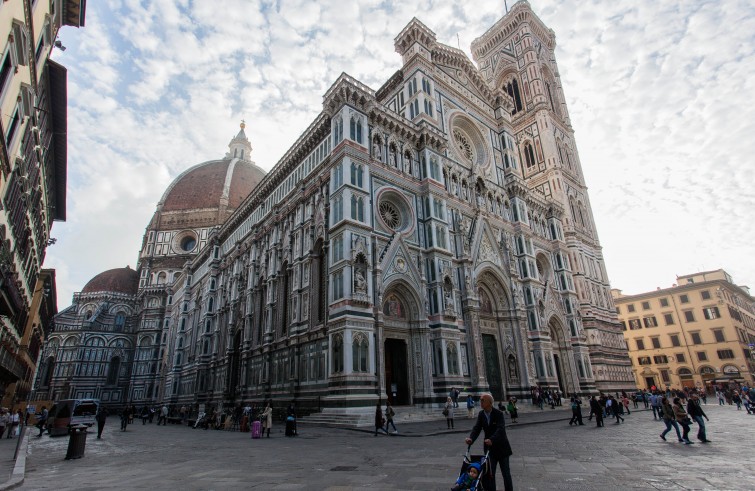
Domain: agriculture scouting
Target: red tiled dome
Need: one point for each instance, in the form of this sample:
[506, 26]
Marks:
[119, 280]
[202, 187]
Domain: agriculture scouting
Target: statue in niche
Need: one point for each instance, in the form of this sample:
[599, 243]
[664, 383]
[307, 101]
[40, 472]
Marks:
[512, 367]
[376, 149]
[392, 157]
[360, 283]
[408, 163]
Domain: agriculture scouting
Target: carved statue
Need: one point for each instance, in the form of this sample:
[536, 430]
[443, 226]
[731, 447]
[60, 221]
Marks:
[376, 149]
[360, 283]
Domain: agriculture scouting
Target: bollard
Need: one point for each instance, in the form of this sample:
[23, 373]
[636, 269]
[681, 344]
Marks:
[77, 442]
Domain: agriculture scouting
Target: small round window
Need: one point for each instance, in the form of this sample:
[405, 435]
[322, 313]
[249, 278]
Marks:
[188, 243]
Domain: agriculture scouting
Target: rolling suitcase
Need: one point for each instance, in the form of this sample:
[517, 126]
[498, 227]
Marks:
[256, 429]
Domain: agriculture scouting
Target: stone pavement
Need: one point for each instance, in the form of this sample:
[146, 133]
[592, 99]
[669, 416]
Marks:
[423, 456]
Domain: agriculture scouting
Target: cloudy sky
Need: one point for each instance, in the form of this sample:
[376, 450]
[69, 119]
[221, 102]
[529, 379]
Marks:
[660, 95]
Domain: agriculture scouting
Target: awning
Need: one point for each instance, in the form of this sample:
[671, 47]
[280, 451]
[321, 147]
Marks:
[59, 108]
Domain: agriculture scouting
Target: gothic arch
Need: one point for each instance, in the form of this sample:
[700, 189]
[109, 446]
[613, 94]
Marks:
[406, 295]
[492, 280]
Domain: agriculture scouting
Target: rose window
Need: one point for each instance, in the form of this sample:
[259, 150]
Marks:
[390, 214]
[463, 145]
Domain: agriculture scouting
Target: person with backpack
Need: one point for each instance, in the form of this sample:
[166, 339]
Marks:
[470, 406]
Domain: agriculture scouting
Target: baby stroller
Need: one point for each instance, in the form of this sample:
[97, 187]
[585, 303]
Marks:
[467, 480]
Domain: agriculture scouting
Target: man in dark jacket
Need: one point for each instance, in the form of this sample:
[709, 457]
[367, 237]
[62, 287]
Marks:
[490, 421]
[696, 412]
[101, 417]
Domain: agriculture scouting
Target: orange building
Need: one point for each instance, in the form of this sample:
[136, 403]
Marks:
[700, 332]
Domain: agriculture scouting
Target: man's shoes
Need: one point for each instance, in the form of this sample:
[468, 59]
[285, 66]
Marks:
[705, 441]
[663, 438]
[687, 442]
[581, 424]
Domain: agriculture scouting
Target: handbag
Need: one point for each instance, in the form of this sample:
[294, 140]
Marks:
[686, 421]
[445, 412]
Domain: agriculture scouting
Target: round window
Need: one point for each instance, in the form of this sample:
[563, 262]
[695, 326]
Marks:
[390, 214]
[188, 244]
[394, 211]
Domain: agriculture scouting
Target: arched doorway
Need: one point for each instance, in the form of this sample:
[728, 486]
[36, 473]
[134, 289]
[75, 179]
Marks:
[400, 313]
[497, 336]
[561, 354]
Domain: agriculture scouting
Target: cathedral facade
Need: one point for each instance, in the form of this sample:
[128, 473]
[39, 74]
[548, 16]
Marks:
[430, 234]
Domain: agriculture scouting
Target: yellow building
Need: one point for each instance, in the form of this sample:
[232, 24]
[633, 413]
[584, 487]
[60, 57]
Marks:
[698, 333]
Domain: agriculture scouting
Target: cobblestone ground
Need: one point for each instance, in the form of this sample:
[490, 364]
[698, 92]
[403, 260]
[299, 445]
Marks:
[547, 456]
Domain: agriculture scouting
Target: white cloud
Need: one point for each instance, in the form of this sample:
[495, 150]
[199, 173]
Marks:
[659, 94]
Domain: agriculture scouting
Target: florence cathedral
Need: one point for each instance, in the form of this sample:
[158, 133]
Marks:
[433, 233]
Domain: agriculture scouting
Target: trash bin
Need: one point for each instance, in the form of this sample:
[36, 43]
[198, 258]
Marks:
[77, 442]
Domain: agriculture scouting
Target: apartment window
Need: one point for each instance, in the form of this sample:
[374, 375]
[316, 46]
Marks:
[711, 313]
[665, 376]
[719, 334]
[680, 358]
[705, 294]
[660, 359]
[669, 319]
[702, 356]
[696, 338]
[656, 343]
[664, 302]
[725, 354]
[689, 316]
[675, 340]
[645, 305]
[683, 298]
[630, 307]
[635, 324]
[644, 360]
[640, 344]
[650, 321]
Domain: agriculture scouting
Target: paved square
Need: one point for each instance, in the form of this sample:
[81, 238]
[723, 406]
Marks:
[425, 457]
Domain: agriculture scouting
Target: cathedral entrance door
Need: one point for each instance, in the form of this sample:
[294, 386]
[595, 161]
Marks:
[559, 376]
[396, 372]
[492, 366]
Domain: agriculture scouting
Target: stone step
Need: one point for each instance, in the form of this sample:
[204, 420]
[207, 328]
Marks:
[365, 417]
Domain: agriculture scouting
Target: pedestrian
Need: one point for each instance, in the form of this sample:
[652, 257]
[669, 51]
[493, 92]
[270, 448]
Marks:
[41, 421]
[182, 412]
[736, 399]
[490, 422]
[101, 416]
[625, 401]
[144, 414]
[291, 420]
[655, 404]
[124, 418]
[389, 414]
[152, 412]
[163, 416]
[596, 410]
[681, 417]
[15, 421]
[470, 406]
[704, 397]
[669, 419]
[267, 419]
[448, 412]
[615, 410]
[513, 411]
[379, 419]
[720, 397]
[4, 421]
[576, 411]
[746, 402]
[696, 413]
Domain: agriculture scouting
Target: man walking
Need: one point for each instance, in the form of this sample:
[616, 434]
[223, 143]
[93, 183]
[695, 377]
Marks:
[696, 412]
[490, 422]
[42, 421]
[163, 416]
[101, 417]
[655, 403]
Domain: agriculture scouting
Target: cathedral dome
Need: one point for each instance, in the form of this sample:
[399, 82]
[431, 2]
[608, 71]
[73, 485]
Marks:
[214, 184]
[206, 194]
[119, 280]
